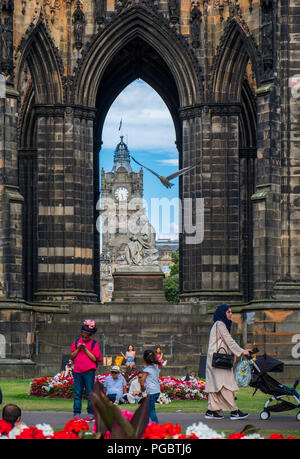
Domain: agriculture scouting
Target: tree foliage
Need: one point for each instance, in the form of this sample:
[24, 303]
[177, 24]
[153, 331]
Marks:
[171, 283]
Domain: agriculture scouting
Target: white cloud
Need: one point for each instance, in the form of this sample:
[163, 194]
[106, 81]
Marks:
[146, 120]
[169, 162]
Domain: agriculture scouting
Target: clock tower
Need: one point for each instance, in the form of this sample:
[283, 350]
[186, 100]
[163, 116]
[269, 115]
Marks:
[121, 200]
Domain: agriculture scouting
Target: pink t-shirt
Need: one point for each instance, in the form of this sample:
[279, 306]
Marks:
[82, 362]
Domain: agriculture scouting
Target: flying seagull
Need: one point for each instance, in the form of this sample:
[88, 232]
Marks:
[166, 180]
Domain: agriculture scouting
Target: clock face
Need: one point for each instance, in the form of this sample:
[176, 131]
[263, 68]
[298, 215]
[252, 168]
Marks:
[121, 193]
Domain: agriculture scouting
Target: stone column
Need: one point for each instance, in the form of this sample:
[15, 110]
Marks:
[266, 199]
[11, 209]
[65, 201]
[210, 268]
[288, 282]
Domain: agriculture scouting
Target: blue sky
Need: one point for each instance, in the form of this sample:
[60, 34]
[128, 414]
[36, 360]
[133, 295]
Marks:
[149, 133]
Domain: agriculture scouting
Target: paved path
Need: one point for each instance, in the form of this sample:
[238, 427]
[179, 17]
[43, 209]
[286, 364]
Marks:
[276, 422]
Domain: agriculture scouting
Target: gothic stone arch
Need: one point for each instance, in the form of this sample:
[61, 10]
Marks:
[64, 236]
[65, 62]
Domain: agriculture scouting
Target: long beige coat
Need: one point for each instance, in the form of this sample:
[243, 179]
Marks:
[217, 378]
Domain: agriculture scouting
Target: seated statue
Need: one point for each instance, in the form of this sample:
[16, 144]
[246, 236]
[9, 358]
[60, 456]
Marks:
[141, 250]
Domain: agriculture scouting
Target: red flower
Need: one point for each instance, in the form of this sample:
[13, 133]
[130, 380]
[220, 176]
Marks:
[65, 436]
[5, 427]
[236, 436]
[31, 433]
[76, 426]
[275, 436]
[172, 429]
[158, 431]
[184, 437]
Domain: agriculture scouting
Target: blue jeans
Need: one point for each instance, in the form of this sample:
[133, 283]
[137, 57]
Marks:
[83, 380]
[114, 397]
[152, 412]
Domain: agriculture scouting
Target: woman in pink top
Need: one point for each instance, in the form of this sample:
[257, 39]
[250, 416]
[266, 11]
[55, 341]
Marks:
[85, 352]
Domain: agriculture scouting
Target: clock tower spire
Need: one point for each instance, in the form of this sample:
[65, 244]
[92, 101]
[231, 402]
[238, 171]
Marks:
[119, 188]
[121, 156]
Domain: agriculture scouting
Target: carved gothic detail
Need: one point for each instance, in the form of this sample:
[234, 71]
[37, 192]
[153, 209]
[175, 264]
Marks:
[195, 21]
[234, 8]
[8, 5]
[233, 5]
[122, 4]
[174, 11]
[100, 10]
[6, 38]
[267, 38]
[79, 23]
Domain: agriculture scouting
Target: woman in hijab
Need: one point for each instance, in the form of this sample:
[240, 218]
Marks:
[220, 384]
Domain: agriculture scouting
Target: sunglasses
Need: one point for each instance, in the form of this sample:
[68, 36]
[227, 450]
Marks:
[114, 373]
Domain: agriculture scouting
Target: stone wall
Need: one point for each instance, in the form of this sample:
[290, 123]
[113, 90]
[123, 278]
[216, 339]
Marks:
[225, 70]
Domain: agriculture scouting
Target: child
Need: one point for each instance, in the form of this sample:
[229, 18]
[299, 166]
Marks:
[85, 352]
[159, 356]
[130, 357]
[150, 382]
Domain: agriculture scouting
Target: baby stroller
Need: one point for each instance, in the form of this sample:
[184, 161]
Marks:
[281, 395]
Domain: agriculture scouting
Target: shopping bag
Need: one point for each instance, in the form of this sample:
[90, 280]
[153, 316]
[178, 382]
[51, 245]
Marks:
[242, 373]
[118, 360]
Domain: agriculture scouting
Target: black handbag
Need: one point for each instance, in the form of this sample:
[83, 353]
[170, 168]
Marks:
[222, 360]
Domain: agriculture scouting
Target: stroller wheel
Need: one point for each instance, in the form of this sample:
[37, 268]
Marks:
[264, 415]
[298, 416]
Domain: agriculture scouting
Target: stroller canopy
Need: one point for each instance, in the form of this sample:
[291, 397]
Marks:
[266, 363]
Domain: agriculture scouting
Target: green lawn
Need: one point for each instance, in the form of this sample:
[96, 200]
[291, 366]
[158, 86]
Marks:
[17, 391]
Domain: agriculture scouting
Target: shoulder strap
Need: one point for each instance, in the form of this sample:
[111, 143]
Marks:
[217, 332]
[93, 343]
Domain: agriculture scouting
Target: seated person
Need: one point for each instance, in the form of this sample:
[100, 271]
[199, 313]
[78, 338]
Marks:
[12, 413]
[68, 372]
[190, 378]
[115, 386]
[130, 357]
[135, 393]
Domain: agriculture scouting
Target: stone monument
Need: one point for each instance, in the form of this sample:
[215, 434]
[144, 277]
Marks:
[138, 277]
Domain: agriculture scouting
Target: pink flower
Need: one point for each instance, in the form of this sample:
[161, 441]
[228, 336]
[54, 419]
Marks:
[90, 323]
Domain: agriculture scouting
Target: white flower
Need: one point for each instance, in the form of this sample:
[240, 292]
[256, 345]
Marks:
[46, 429]
[202, 431]
[254, 436]
[16, 431]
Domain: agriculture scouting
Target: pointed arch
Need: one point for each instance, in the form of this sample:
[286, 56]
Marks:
[137, 24]
[45, 65]
[236, 48]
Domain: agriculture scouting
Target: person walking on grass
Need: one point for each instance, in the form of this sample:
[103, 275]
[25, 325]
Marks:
[150, 382]
[85, 352]
[220, 384]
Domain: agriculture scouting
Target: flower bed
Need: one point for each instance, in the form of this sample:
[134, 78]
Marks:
[60, 386]
[79, 429]
[176, 389]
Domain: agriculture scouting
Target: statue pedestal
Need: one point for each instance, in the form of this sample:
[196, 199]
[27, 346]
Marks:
[138, 284]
